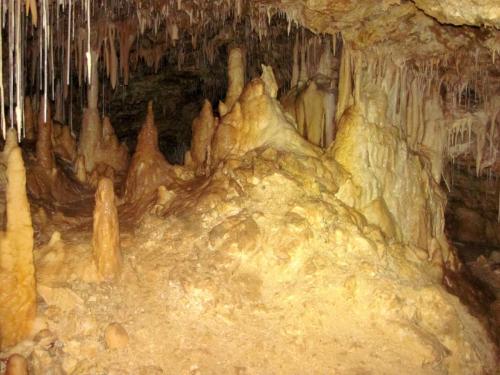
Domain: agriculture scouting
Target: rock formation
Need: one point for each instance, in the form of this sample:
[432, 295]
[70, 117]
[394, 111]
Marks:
[203, 129]
[236, 79]
[304, 233]
[45, 179]
[106, 233]
[148, 168]
[17, 273]
[64, 144]
[256, 120]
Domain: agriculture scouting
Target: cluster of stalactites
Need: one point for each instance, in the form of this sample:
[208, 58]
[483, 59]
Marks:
[311, 100]
[440, 129]
[74, 38]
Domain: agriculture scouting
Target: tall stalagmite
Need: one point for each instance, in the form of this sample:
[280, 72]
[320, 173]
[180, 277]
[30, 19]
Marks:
[236, 79]
[106, 234]
[203, 131]
[17, 272]
[148, 168]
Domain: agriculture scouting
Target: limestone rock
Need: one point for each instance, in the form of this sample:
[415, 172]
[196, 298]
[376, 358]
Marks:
[462, 13]
[115, 336]
[106, 233]
[63, 298]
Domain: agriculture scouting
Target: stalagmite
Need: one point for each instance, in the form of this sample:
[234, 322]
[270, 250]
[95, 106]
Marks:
[90, 135]
[311, 114]
[80, 170]
[64, 145]
[256, 120]
[17, 273]
[148, 168]
[312, 192]
[106, 233]
[269, 81]
[236, 79]
[203, 129]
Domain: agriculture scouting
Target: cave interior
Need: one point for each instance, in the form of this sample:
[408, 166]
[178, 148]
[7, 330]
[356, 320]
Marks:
[249, 187]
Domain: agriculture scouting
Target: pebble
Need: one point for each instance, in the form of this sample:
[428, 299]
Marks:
[16, 365]
[115, 336]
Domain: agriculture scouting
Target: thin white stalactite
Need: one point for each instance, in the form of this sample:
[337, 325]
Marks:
[89, 57]
[45, 50]
[2, 97]
[19, 109]
[51, 56]
[11, 62]
[68, 51]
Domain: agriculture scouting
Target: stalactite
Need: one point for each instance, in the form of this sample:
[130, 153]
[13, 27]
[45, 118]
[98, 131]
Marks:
[2, 94]
[345, 84]
[303, 76]
[29, 119]
[93, 83]
[113, 59]
[44, 155]
[295, 69]
[127, 35]
[31, 7]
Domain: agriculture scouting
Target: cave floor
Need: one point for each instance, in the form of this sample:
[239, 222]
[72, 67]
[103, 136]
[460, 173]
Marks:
[257, 269]
[179, 328]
